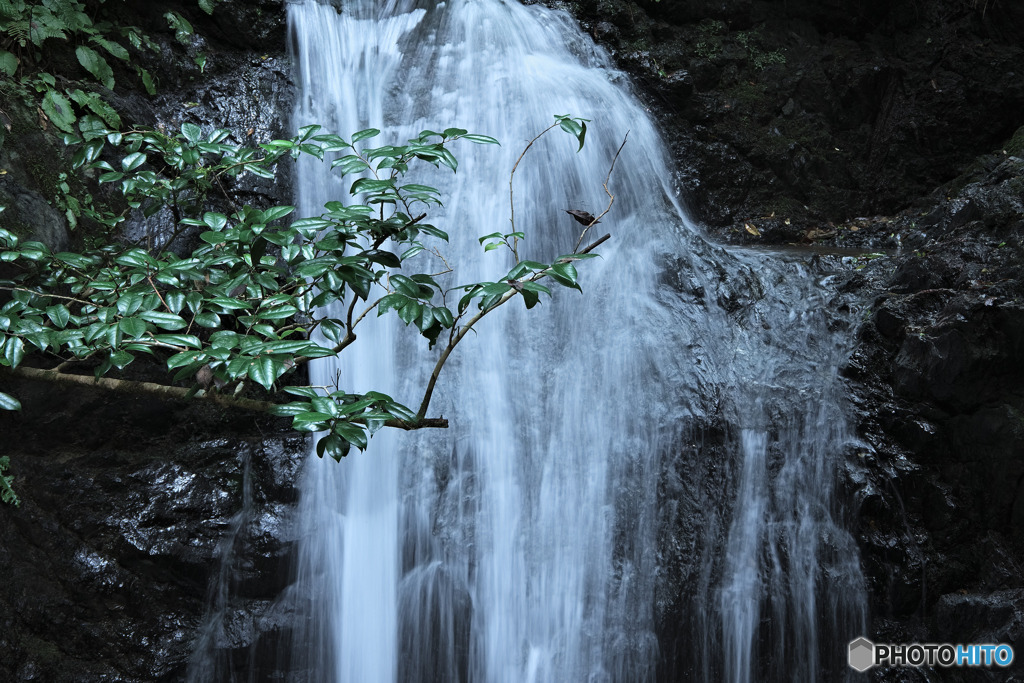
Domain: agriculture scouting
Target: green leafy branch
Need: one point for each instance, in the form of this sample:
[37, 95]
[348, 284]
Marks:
[248, 306]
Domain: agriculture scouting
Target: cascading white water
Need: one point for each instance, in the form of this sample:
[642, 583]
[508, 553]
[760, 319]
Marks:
[790, 593]
[519, 545]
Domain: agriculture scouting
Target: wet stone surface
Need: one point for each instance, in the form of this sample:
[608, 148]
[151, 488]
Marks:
[111, 555]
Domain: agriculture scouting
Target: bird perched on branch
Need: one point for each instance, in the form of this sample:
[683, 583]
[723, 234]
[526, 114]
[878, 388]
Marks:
[582, 217]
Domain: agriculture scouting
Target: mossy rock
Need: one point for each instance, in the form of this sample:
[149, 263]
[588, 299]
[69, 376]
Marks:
[1015, 145]
[32, 159]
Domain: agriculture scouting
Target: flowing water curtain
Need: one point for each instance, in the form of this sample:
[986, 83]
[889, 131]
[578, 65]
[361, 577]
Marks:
[346, 589]
[520, 545]
[515, 512]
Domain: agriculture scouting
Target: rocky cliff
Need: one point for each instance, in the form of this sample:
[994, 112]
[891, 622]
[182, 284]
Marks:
[890, 128]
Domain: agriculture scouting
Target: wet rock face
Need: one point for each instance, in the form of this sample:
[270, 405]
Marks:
[938, 372]
[689, 519]
[244, 86]
[129, 506]
[125, 507]
[32, 161]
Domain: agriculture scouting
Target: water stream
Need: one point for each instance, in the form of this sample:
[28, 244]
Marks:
[520, 545]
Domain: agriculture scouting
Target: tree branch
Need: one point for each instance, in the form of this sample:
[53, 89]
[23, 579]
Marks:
[163, 391]
[464, 330]
[47, 294]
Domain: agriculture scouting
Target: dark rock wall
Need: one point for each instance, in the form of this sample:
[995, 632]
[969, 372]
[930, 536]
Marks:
[938, 378]
[823, 110]
[125, 506]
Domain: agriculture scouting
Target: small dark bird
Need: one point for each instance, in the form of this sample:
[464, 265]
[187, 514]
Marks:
[582, 217]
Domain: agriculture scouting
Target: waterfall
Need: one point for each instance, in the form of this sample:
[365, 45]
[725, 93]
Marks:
[790, 592]
[520, 544]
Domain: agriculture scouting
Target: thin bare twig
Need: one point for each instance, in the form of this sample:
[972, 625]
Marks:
[159, 295]
[447, 268]
[611, 197]
[47, 294]
[511, 200]
[455, 337]
[368, 309]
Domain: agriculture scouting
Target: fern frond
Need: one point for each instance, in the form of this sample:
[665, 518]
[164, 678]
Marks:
[7, 493]
[11, 11]
[44, 25]
[18, 30]
[70, 13]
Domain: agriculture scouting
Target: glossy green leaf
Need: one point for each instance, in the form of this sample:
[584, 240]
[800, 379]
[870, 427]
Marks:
[365, 134]
[115, 49]
[307, 392]
[121, 358]
[444, 316]
[265, 370]
[133, 161]
[370, 185]
[147, 80]
[535, 287]
[129, 303]
[59, 315]
[166, 321]
[132, 327]
[58, 109]
[8, 402]
[334, 446]
[290, 409]
[311, 421]
[566, 270]
[332, 330]
[175, 300]
[481, 139]
[426, 319]
[8, 63]
[96, 65]
[189, 340]
[354, 434]
[14, 351]
[275, 212]
[350, 164]
[192, 132]
[410, 311]
[207, 319]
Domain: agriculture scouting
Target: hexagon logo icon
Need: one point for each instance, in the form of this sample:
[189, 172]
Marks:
[862, 654]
